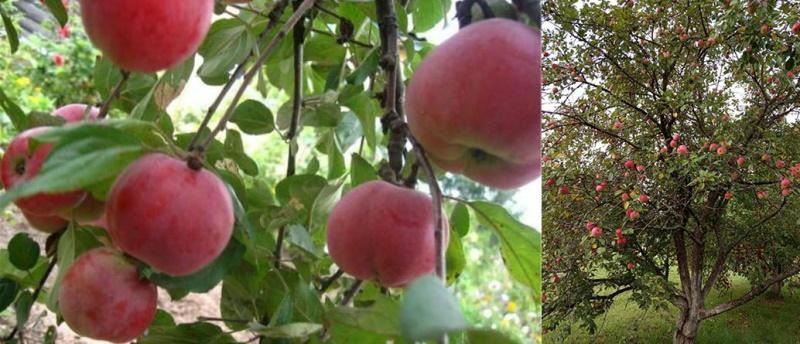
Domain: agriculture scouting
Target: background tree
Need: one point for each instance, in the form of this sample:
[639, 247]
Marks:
[671, 150]
[332, 71]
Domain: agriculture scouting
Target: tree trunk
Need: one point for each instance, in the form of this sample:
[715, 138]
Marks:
[687, 324]
[775, 290]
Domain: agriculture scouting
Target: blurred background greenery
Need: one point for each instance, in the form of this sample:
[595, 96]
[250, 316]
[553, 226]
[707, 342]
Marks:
[55, 68]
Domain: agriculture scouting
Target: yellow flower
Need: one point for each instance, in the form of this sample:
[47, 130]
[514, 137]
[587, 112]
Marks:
[511, 307]
[23, 81]
[34, 99]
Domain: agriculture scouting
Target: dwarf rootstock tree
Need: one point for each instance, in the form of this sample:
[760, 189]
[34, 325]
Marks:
[135, 202]
[705, 101]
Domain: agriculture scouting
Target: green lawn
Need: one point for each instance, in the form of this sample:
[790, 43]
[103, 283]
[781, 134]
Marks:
[763, 320]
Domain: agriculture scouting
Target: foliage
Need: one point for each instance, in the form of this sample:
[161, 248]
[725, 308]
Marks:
[625, 80]
[339, 144]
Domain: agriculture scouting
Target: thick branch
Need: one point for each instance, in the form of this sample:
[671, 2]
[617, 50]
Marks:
[755, 291]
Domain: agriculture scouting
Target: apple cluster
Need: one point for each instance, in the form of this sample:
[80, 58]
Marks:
[153, 212]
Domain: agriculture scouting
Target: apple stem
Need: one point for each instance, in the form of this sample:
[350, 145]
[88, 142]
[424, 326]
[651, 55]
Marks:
[114, 94]
[532, 8]
[274, 15]
[464, 11]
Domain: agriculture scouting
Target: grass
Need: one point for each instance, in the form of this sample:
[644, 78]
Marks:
[763, 320]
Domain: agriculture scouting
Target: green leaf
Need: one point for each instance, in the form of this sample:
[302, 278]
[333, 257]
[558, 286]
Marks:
[459, 219]
[428, 13]
[361, 171]
[23, 307]
[83, 155]
[298, 236]
[293, 330]
[456, 261]
[336, 166]
[8, 292]
[51, 335]
[234, 149]
[171, 84]
[57, 8]
[41, 119]
[23, 252]
[207, 278]
[429, 310]
[11, 31]
[382, 317]
[367, 68]
[18, 118]
[194, 333]
[302, 187]
[520, 245]
[253, 118]
[227, 44]
[366, 109]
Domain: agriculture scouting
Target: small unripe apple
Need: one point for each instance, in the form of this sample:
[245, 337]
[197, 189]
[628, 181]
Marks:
[19, 166]
[45, 223]
[483, 122]
[102, 297]
[147, 35]
[168, 215]
[683, 150]
[391, 241]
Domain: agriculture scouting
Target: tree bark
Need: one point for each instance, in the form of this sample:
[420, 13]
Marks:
[687, 324]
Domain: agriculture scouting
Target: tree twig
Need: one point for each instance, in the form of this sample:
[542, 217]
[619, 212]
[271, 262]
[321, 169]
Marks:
[392, 120]
[274, 16]
[256, 68]
[351, 292]
[329, 281]
[114, 94]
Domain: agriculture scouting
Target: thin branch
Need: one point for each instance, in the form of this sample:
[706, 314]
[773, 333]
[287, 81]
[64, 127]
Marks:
[351, 292]
[114, 94]
[755, 291]
[328, 282]
[274, 15]
[238, 321]
[298, 36]
[392, 121]
[35, 296]
[256, 68]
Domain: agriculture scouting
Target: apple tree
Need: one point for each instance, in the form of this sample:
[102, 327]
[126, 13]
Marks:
[356, 244]
[671, 154]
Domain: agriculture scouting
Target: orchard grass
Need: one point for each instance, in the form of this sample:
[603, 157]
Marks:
[766, 319]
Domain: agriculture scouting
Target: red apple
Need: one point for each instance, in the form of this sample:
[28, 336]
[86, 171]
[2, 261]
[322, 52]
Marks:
[481, 122]
[728, 195]
[780, 164]
[640, 168]
[673, 143]
[168, 215]
[722, 150]
[597, 232]
[629, 164]
[796, 28]
[765, 157]
[683, 150]
[45, 223]
[786, 192]
[103, 297]
[19, 166]
[626, 197]
[644, 198]
[390, 242]
[147, 35]
[785, 183]
[740, 160]
[564, 190]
